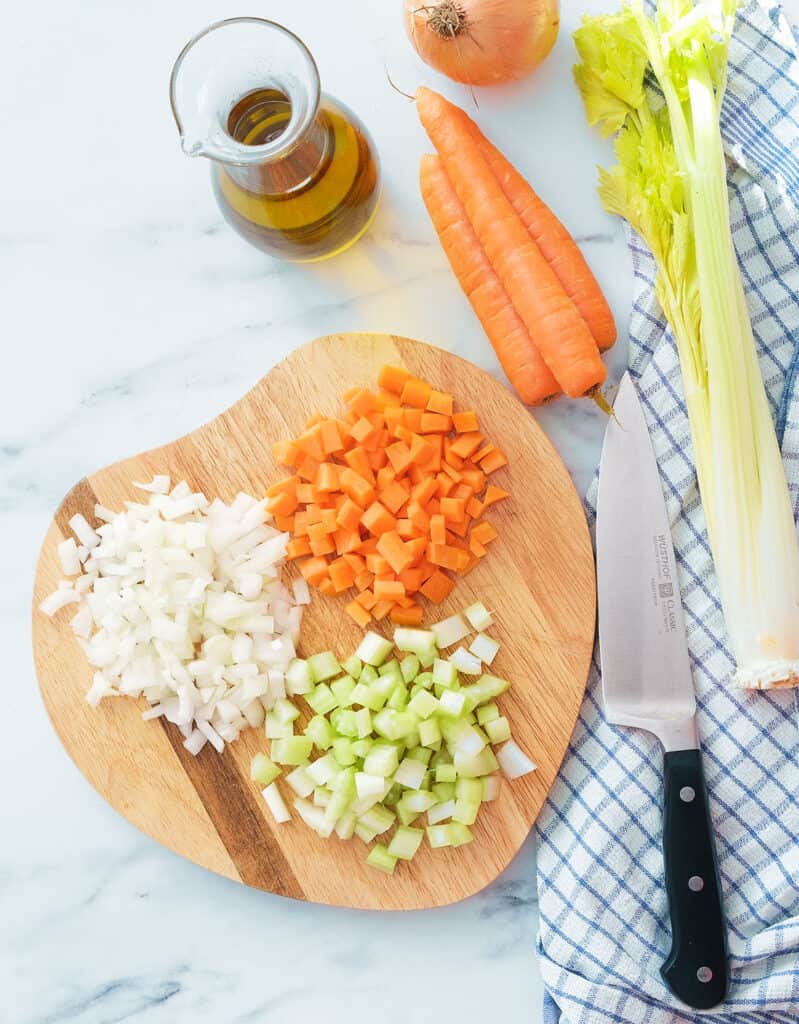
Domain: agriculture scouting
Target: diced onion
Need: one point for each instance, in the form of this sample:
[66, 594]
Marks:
[450, 631]
[513, 761]
[276, 804]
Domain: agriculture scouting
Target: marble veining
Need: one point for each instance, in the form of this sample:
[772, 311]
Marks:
[131, 315]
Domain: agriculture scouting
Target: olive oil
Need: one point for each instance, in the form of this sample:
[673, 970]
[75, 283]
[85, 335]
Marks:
[314, 198]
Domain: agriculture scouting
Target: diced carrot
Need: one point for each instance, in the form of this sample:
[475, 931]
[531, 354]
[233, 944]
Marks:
[476, 548]
[465, 422]
[313, 513]
[297, 547]
[288, 485]
[324, 544]
[393, 549]
[362, 430]
[306, 493]
[392, 415]
[437, 587]
[377, 459]
[438, 530]
[424, 490]
[285, 452]
[356, 487]
[325, 587]
[459, 529]
[308, 467]
[283, 504]
[403, 433]
[330, 437]
[348, 516]
[313, 420]
[301, 523]
[445, 483]
[393, 495]
[393, 378]
[399, 455]
[487, 449]
[435, 423]
[347, 542]
[444, 555]
[341, 575]
[389, 590]
[406, 529]
[453, 509]
[358, 460]
[364, 580]
[466, 444]
[484, 532]
[361, 615]
[366, 599]
[418, 516]
[327, 477]
[410, 616]
[474, 507]
[362, 402]
[493, 461]
[381, 609]
[441, 402]
[422, 452]
[328, 520]
[416, 393]
[411, 579]
[314, 570]
[376, 563]
[284, 523]
[494, 494]
[475, 478]
[412, 419]
[463, 491]
[310, 443]
[316, 531]
[368, 546]
[377, 519]
[416, 548]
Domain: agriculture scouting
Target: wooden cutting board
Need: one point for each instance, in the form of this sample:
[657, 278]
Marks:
[538, 578]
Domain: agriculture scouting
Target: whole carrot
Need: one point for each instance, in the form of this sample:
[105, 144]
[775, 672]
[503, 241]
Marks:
[520, 359]
[557, 246]
[553, 321]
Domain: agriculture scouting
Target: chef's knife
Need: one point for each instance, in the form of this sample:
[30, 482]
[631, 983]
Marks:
[646, 682]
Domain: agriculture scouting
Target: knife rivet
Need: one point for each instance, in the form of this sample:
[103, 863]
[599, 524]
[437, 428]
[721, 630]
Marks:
[704, 974]
[687, 794]
[695, 883]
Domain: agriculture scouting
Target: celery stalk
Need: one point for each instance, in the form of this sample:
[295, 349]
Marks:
[670, 184]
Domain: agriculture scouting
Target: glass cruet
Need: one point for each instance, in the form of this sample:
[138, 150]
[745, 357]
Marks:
[293, 171]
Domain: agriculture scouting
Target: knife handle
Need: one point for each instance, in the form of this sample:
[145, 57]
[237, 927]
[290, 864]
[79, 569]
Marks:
[696, 968]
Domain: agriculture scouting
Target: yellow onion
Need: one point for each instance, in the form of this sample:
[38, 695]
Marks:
[482, 42]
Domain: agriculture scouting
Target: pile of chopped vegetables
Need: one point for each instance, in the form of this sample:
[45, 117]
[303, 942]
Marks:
[395, 737]
[388, 499]
[180, 601]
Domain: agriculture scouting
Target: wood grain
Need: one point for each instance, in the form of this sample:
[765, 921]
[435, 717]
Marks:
[538, 578]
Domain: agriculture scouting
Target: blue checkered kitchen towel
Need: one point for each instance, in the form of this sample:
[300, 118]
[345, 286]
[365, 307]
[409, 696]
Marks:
[604, 922]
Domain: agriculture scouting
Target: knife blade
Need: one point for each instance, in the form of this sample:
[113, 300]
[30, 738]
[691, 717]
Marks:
[647, 684]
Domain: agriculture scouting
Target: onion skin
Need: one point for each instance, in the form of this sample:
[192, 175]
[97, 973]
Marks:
[497, 41]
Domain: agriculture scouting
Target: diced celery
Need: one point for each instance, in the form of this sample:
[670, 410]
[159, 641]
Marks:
[399, 697]
[418, 753]
[345, 826]
[368, 785]
[381, 760]
[470, 742]
[323, 666]
[438, 836]
[453, 729]
[410, 773]
[393, 796]
[491, 787]
[362, 747]
[479, 617]
[451, 702]
[459, 834]
[321, 796]
[484, 647]
[343, 752]
[364, 832]
[441, 756]
[394, 725]
[285, 710]
[378, 818]
[342, 689]
[380, 858]
[445, 674]
[263, 770]
[418, 801]
[411, 739]
[368, 674]
[344, 782]
[405, 814]
[469, 789]
[318, 730]
[424, 679]
[420, 642]
[429, 733]
[485, 689]
[465, 662]
[474, 767]
[373, 649]
[298, 678]
[366, 697]
[275, 729]
[426, 658]
[466, 810]
[424, 704]
[314, 817]
[294, 750]
[300, 781]
[409, 666]
[363, 723]
[440, 812]
[405, 842]
[352, 666]
[344, 722]
[498, 730]
[321, 699]
[323, 769]
[390, 668]
[487, 713]
[444, 791]
[446, 773]
[337, 806]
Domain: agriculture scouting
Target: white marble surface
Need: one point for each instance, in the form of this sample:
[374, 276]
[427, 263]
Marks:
[130, 315]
